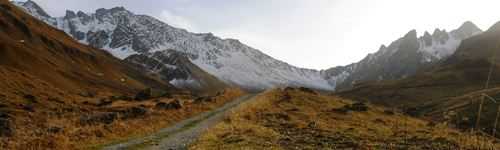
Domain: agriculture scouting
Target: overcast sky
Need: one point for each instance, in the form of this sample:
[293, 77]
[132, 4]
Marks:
[307, 33]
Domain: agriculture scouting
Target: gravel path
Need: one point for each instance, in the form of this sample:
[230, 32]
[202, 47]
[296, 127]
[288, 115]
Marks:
[179, 136]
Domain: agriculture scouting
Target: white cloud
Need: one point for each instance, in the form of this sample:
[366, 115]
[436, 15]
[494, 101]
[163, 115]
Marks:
[176, 20]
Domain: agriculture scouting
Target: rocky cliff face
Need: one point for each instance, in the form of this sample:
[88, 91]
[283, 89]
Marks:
[176, 67]
[403, 57]
[124, 34]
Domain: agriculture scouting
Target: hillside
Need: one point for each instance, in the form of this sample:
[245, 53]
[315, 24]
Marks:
[35, 58]
[303, 119]
[455, 84]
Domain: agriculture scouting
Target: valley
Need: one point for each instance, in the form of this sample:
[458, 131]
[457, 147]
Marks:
[112, 78]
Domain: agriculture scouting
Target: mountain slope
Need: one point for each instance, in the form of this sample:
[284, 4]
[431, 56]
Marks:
[402, 58]
[124, 33]
[456, 84]
[33, 53]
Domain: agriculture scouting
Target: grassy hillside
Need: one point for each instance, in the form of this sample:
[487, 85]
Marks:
[56, 93]
[302, 119]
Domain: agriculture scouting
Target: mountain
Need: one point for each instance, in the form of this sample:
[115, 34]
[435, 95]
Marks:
[124, 34]
[38, 60]
[454, 85]
[402, 58]
[175, 66]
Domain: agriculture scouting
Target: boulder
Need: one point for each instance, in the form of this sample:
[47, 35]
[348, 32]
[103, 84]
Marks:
[30, 98]
[176, 104]
[133, 112]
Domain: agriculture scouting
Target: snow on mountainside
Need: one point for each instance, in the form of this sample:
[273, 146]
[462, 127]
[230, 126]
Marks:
[124, 33]
[402, 58]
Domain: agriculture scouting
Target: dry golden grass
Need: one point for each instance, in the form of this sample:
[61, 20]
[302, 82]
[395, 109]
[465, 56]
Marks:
[310, 121]
[32, 131]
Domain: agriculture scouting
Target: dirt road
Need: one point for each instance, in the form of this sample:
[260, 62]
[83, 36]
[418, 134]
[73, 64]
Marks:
[180, 135]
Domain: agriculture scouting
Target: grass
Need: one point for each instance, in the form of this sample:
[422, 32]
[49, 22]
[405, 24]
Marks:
[31, 129]
[294, 119]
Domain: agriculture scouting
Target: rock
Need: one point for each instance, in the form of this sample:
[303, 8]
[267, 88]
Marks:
[133, 112]
[342, 110]
[312, 125]
[379, 121]
[289, 89]
[30, 98]
[5, 128]
[204, 99]
[143, 95]
[104, 102]
[121, 97]
[98, 39]
[149, 93]
[28, 107]
[176, 104]
[106, 118]
[361, 107]
[82, 15]
[4, 115]
[88, 94]
[413, 111]
[356, 107]
[389, 112]
[70, 14]
[427, 38]
[5, 125]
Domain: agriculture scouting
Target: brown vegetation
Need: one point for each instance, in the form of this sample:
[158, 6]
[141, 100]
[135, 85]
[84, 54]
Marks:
[90, 126]
[56, 93]
[295, 119]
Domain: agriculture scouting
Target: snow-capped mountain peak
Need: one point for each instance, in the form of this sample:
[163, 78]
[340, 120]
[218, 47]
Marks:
[124, 33]
[402, 57]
